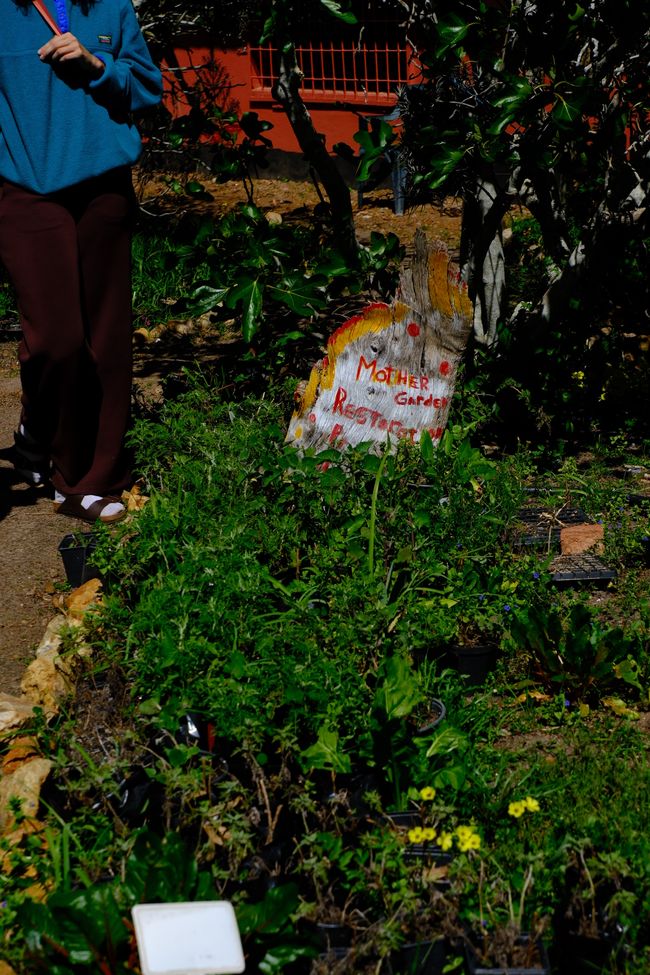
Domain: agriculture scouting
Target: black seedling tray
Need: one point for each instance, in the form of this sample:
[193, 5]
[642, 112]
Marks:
[542, 526]
[583, 568]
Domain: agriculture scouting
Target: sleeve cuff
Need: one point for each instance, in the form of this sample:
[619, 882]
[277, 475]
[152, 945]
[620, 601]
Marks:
[107, 74]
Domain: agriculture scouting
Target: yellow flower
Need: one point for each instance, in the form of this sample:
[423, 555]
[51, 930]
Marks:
[468, 839]
[471, 841]
[428, 793]
[445, 841]
[416, 835]
[429, 834]
[531, 804]
[516, 809]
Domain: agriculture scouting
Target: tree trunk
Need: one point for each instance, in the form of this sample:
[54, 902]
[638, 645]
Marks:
[312, 143]
[482, 259]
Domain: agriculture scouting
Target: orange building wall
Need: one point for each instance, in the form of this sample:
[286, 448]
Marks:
[231, 80]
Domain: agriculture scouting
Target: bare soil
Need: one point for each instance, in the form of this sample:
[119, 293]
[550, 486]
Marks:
[31, 570]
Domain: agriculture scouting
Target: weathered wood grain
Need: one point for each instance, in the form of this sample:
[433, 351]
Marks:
[389, 373]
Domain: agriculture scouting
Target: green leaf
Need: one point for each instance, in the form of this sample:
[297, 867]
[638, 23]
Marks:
[405, 555]
[149, 707]
[268, 29]
[251, 212]
[194, 188]
[278, 958]
[564, 111]
[443, 166]
[206, 298]
[247, 293]
[451, 34]
[629, 671]
[175, 184]
[399, 692]
[253, 126]
[427, 450]
[518, 90]
[335, 9]
[453, 776]
[299, 294]
[447, 741]
[329, 455]
[333, 266]
[289, 337]
[270, 915]
[180, 755]
[326, 753]
[236, 665]
[373, 143]
[381, 135]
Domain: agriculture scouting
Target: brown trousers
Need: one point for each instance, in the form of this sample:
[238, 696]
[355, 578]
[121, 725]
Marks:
[69, 257]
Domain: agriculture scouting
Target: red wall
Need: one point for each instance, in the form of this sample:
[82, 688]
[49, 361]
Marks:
[233, 68]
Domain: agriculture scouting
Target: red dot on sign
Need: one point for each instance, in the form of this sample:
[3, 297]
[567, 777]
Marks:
[312, 417]
[413, 329]
[444, 368]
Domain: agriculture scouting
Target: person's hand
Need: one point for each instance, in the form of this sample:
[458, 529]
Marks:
[66, 50]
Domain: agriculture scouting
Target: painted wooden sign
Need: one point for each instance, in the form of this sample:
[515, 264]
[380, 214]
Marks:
[389, 373]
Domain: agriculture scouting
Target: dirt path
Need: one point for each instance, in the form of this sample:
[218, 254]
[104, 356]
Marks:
[30, 530]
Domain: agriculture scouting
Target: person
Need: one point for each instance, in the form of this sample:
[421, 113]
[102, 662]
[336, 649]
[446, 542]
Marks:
[71, 75]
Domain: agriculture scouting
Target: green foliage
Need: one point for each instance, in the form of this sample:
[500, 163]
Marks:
[241, 597]
[373, 143]
[87, 930]
[511, 103]
[272, 278]
[508, 92]
[286, 17]
[160, 273]
[575, 653]
[269, 934]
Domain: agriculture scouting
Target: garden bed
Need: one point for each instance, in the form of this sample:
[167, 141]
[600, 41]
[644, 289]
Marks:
[253, 717]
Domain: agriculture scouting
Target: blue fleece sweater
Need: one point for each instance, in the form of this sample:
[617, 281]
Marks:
[55, 132]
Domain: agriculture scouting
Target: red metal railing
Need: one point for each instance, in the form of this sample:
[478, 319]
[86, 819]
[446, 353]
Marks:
[366, 74]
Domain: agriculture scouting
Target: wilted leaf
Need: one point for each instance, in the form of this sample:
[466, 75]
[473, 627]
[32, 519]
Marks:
[619, 707]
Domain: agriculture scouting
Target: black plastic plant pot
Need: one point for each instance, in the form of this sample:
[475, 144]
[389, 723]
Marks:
[76, 550]
[335, 941]
[407, 819]
[436, 712]
[334, 936]
[475, 663]
[534, 960]
[582, 955]
[419, 958]
[432, 856]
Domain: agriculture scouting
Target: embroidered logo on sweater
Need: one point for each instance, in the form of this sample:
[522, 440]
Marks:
[105, 38]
